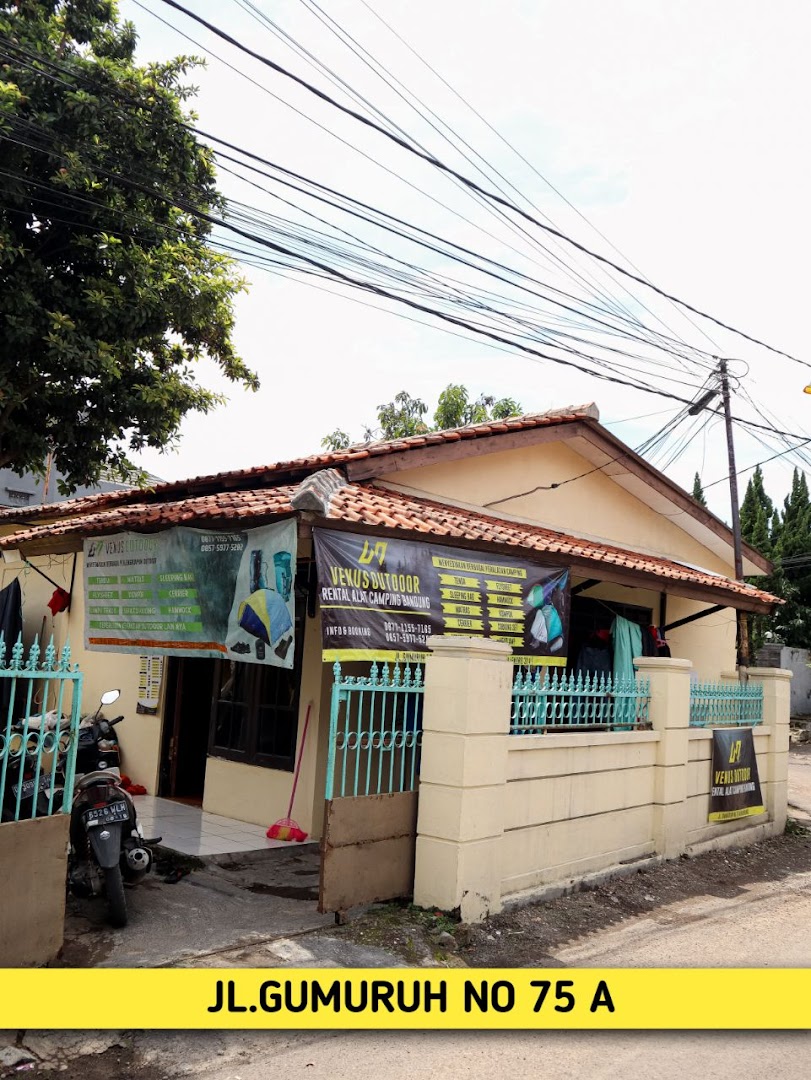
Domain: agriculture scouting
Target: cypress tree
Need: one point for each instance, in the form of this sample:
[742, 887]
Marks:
[792, 621]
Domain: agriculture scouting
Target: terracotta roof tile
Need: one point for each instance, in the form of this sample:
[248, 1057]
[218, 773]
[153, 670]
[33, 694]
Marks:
[380, 507]
[278, 472]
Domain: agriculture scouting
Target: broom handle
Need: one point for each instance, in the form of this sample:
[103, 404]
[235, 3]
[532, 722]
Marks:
[300, 755]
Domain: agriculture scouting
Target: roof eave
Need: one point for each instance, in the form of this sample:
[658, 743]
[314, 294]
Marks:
[683, 499]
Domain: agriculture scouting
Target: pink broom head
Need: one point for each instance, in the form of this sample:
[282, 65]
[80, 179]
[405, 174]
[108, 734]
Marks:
[286, 830]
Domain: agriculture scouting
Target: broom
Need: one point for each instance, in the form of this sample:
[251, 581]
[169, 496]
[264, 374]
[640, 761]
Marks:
[286, 828]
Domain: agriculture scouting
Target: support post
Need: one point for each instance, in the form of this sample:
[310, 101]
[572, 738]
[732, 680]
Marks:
[776, 684]
[742, 618]
[463, 771]
[670, 716]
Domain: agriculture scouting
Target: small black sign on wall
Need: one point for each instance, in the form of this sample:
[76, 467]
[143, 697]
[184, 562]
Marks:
[735, 791]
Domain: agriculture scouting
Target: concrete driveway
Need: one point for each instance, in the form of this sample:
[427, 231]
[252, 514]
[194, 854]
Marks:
[241, 900]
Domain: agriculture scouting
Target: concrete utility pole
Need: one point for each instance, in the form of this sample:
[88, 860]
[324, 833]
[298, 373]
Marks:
[743, 624]
[697, 407]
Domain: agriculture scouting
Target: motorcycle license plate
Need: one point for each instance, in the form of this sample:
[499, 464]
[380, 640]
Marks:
[103, 815]
[28, 787]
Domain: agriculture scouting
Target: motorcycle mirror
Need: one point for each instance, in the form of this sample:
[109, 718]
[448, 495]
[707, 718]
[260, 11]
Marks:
[109, 696]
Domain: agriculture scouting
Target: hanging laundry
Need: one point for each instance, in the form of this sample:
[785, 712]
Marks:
[11, 625]
[595, 656]
[627, 638]
[662, 647]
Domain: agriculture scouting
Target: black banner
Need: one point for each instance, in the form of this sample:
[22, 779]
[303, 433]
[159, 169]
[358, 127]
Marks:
[735, 783]
[382, 599]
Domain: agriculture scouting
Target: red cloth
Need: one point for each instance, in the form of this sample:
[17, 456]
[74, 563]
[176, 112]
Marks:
[59, 601]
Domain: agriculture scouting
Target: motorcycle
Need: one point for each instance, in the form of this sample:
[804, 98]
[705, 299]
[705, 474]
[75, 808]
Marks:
[107, 846]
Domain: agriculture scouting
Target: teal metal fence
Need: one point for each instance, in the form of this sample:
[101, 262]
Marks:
[551, 700]
[38, 742]
[375, 731]
[726, 704]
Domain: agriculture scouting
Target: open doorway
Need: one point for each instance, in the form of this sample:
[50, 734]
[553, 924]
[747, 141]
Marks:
[184, 744]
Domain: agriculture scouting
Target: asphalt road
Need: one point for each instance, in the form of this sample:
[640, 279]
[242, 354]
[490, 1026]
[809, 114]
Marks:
[764, 925]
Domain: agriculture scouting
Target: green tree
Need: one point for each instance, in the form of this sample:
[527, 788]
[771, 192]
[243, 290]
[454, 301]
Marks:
[455, 409]
[698, 491]
[757, 512]
[792, 621]
[404, 415]
[109, 292]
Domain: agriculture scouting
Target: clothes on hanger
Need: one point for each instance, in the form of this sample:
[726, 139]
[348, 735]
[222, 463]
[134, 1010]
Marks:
[627, 638]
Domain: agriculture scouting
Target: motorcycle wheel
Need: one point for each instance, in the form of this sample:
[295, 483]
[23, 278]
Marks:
[116, 900]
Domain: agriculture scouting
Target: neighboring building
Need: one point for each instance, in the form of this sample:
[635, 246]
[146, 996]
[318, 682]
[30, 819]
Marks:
[557, 488]
[30, 490]
[798, 662]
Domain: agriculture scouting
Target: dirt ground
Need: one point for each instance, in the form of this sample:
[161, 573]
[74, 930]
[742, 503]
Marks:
[528, 936]
[118, 1061]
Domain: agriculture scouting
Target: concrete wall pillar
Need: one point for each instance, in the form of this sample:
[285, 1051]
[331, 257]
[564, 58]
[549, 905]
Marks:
[776, 684]
[463, 770]
[670, 716]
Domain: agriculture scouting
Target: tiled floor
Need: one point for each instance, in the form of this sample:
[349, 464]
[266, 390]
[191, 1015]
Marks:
[190, 830]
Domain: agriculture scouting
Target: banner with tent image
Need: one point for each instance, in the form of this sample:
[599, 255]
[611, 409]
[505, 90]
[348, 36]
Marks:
[194, 592]
[381, 599]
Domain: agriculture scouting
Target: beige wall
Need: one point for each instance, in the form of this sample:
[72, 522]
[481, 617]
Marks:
[709, 644]
[139, 734]
[575, 804]
[32, 916]
[595, 506]
[503, 815]
[259, 795]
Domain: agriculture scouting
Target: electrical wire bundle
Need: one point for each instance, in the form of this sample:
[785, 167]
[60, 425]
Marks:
[494, 268]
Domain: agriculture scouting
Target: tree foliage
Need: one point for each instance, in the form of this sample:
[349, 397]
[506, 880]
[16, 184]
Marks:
[698, 491]
[781, 534]
[405, 415]
[109, 292]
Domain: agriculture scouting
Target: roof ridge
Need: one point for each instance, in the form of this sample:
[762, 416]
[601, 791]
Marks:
[308, 464]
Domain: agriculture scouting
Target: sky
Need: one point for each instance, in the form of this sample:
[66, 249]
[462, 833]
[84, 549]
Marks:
[676, 130]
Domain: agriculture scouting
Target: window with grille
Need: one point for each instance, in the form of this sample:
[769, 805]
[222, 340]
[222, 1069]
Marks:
[254, 715]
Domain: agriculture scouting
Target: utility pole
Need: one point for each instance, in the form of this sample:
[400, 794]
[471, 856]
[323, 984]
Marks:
[743, 625]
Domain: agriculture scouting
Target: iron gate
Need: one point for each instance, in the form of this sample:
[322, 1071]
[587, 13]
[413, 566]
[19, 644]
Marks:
[370, 816]
[36, 740]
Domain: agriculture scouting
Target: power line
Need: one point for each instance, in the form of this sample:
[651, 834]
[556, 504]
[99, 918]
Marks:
[365, 209]
[526, 161]
[757, 464]
[437, 163]
[352, 282]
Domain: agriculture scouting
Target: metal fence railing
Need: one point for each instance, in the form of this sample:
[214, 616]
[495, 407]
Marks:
[544, 700]
[729, 704]
[37, 742]
[375, 731]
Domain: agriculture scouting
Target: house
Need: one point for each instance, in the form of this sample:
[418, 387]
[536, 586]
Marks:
[556, 488]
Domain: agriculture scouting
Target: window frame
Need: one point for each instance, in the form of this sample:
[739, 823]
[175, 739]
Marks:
[248, 753]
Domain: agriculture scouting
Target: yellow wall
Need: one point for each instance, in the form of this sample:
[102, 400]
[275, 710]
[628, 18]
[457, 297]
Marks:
[593, 506]
[259, 795]
[709, 644]
[139, 734]
[245, 792]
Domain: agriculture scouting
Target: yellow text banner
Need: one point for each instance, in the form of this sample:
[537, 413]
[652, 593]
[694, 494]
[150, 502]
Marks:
[400, 998]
